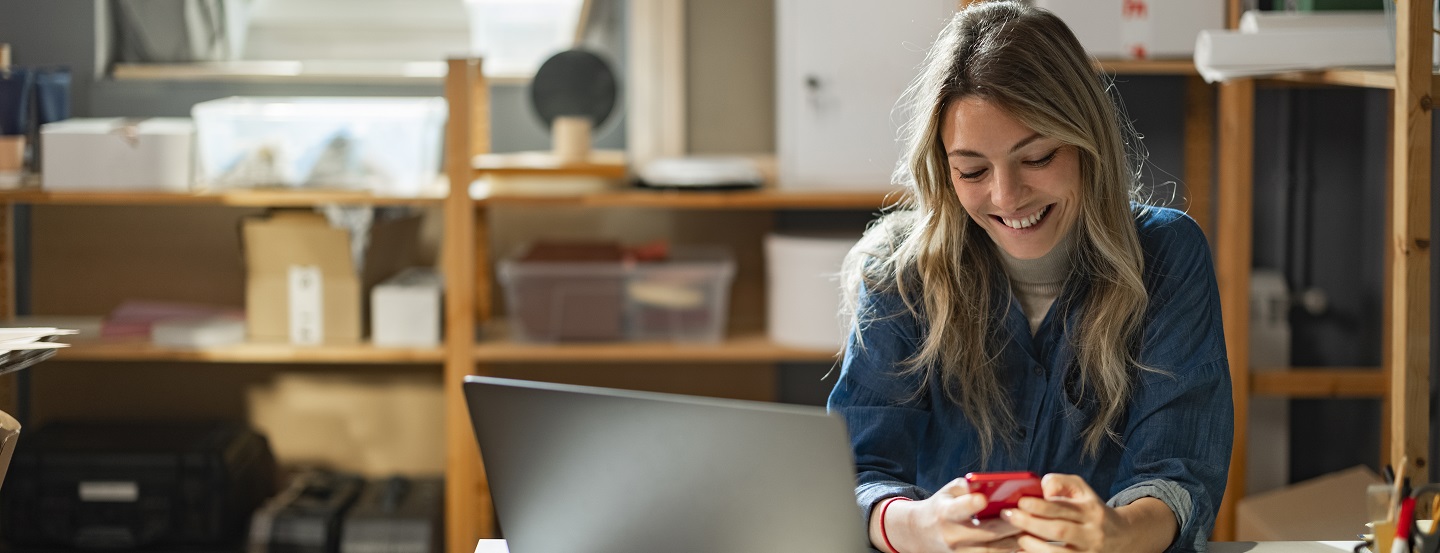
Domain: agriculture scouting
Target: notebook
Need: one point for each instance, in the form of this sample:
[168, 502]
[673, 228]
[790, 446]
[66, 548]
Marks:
[595, 470]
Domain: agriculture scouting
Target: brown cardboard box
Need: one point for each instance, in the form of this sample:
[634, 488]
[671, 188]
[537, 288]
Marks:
[9, 435]
[1329, 507]
[301, 283]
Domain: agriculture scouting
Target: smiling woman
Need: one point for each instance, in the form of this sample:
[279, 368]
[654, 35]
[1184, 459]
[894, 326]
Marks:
[1025, 313]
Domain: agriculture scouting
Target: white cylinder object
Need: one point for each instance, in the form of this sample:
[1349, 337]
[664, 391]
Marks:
[570, 137]
[803, 284]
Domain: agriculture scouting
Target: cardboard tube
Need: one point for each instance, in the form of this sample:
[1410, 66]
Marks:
[570, 136]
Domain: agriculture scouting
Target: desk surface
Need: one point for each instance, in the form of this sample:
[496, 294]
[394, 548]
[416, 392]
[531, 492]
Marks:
[498, 546]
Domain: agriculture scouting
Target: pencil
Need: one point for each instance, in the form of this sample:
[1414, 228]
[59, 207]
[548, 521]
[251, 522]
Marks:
[1395, 498]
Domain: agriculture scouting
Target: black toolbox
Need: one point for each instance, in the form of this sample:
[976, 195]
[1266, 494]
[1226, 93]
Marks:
[306, 516]
[397, 515]
[136, 486]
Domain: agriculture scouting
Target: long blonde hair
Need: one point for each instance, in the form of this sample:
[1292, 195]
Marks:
[945, 267]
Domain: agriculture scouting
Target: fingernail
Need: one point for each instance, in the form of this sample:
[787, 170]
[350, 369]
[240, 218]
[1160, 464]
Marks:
[1007, 513]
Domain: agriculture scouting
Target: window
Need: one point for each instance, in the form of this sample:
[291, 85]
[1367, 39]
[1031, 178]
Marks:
[399, 38]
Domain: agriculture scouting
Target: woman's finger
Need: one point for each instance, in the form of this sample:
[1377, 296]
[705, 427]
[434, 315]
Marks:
[1032, 544]
[963, 508]
[1048, 529]
[1058, 508]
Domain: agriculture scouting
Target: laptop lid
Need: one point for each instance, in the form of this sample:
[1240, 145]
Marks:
[583, 469]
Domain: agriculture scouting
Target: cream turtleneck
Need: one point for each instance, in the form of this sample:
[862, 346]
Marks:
[1037, 282]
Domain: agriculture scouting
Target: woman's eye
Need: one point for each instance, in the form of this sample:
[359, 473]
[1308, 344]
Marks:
[1044, 160]
[970, 176]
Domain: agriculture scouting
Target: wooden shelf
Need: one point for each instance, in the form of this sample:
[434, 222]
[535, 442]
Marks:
[747, 348]
[1184, 66]
[766, 198]
[251, 353]
[1318, 382]
[608, 164]
[1363, 77]
[239, 198]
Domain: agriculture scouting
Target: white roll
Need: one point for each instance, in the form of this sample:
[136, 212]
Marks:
[802, 277]
[1256, 21]
[1221, 55]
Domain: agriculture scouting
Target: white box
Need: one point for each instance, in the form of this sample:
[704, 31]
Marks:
[198, 332]
[389, 146]
[1138, 29]
[405, 309]
[802, 289]
[117, 154]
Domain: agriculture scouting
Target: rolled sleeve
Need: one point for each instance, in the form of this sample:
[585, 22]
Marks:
[1173, 495]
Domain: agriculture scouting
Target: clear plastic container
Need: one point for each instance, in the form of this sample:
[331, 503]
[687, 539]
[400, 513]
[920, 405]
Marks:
[389, 146]
[683, 299]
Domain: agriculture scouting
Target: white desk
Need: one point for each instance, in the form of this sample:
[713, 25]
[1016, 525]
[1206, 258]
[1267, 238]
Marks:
[498, 546]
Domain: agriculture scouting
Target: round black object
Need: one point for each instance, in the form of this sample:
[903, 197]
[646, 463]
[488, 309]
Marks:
[573, 83]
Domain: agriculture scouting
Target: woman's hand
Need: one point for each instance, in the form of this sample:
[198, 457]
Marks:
[1072, 517]
[941, 523]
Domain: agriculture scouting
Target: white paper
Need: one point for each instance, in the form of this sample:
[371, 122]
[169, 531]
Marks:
[1222, 55]
[307, 317]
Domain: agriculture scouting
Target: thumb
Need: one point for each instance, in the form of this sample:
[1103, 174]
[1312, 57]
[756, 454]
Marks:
[956, 488]
[1065, 485]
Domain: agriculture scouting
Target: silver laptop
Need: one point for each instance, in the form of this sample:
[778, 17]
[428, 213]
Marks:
[578, 469]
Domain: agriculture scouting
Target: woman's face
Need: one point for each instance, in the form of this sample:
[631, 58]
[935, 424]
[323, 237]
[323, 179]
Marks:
[1021, 187]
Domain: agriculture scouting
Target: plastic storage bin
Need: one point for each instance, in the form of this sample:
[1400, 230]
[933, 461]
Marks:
[685, 298]
[390, 146]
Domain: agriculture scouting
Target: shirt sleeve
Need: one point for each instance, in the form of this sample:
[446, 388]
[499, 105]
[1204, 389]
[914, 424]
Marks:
[885, 419]
[1179, 431]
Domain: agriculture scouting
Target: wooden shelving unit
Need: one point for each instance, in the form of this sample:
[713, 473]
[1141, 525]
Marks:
[251, 353]
[237, 198]
[1403, 383]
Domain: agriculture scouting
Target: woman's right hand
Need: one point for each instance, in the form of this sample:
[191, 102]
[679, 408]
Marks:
[942, 523]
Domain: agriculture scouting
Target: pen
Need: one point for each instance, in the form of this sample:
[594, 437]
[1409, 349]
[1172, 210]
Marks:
[1401, 543]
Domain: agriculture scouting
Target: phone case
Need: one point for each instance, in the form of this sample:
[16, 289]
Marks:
[1003, 489]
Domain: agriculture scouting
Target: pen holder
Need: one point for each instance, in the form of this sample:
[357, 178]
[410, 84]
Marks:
[1384, 535]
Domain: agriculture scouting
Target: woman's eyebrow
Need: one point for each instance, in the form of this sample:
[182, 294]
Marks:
[960, 152]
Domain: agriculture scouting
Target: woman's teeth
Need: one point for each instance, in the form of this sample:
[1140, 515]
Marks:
[1025, 222]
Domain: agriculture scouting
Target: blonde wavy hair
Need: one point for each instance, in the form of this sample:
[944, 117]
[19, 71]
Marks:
[947, 270]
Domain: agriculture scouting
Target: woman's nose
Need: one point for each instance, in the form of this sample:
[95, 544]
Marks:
[1008, 192]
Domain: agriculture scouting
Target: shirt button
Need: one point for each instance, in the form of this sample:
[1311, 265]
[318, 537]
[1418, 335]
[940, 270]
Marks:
[1023, 433]
[1039, 371]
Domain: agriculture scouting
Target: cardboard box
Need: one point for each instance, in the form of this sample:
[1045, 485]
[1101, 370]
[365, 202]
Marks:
[405, 309]
[1138, 29]
[1329, 507]
[302, 285]
[9, 436]
[117, 154]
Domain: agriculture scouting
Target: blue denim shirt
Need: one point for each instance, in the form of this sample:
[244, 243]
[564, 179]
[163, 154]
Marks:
[1175, 436]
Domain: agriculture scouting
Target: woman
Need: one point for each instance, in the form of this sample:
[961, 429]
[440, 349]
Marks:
[1024, 314]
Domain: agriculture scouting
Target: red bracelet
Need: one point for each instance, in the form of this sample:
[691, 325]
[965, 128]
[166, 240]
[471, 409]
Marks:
[883, 534]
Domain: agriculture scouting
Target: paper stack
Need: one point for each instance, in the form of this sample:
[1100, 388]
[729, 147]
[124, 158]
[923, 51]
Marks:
[23, 347]
[1271, 43]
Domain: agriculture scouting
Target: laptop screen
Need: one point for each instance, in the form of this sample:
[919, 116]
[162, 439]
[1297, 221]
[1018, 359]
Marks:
[584, 469]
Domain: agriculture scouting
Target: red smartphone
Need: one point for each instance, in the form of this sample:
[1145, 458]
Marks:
[1003, 489]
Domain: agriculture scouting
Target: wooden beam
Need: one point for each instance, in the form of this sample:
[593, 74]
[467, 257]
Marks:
[1410, 241]
[468, 513]
[1200, 152]
[1361, 382]
[1232, 270]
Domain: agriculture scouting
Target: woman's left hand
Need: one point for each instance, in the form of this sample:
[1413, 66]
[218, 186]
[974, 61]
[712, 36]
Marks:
[1072, 517]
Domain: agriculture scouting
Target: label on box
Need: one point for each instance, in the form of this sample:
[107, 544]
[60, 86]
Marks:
[1135, 28]
[307, 319]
